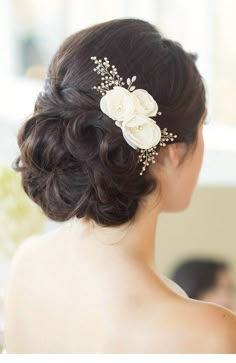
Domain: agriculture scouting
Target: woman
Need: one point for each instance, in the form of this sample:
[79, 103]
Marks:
[90, 286]
[206, 279]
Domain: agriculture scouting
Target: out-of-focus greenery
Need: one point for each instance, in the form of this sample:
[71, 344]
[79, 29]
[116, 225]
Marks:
[19, 216]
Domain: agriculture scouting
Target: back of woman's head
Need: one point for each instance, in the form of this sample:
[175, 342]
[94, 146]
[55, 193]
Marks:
[73, 158]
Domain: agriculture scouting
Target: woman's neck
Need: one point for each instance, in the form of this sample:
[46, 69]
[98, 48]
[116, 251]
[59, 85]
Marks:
[134, 239]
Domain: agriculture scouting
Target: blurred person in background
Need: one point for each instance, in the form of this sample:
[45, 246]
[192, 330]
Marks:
[207, 280]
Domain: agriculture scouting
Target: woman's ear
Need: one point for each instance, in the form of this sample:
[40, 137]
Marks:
[174, 154]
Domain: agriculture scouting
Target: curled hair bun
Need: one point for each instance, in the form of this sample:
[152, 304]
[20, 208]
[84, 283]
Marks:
[73, 158]
[79, 164]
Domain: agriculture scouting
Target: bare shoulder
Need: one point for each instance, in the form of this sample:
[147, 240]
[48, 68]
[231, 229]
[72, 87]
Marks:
[22, 259]
[177, 325]
[219, 324]
[209, 328]
[24, 281]
[35, 251]
[33, 246]
[213, 325]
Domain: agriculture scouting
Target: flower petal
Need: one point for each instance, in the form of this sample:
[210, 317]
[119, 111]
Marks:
[118, 104]
[145, 103]
[142, 132]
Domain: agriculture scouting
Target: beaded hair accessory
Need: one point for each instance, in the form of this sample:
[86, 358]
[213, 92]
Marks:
[131, 109]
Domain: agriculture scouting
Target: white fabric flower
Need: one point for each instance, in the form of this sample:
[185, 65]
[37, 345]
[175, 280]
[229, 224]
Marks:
[140, 132]
[130, 110]
[144, 103]
[118, 104]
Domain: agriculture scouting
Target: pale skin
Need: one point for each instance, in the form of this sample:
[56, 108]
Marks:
[87, 289]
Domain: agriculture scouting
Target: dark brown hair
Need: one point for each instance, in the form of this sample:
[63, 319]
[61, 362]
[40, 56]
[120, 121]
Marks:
[198, 275]
[73, 159]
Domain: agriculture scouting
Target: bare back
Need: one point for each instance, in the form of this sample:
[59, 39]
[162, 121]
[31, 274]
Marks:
[64, 297]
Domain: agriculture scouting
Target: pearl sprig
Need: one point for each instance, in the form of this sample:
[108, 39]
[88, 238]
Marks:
[147, 156]
[166, 137]
[110, 77]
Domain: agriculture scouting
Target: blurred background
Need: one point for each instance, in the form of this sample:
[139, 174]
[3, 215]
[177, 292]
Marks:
[31, 31]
